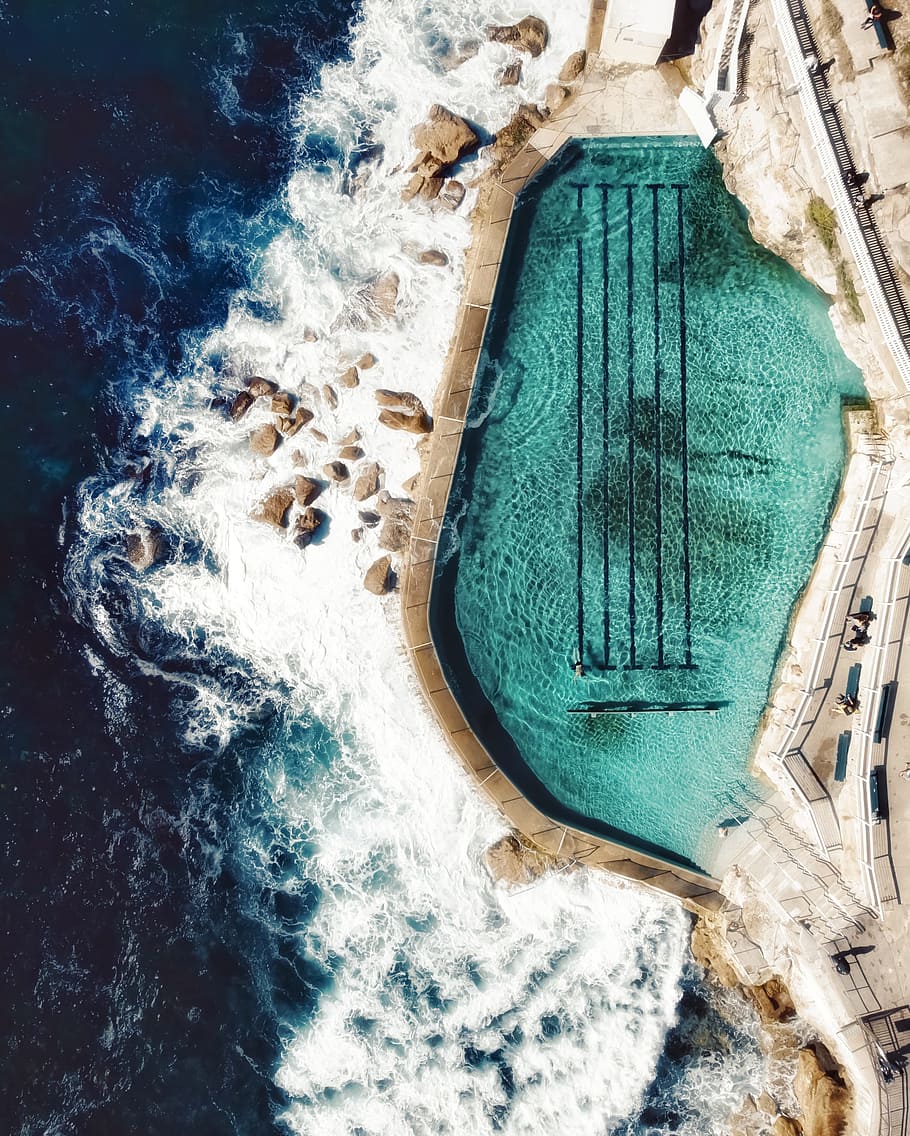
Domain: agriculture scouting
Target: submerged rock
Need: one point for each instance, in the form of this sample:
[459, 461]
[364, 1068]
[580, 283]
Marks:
[434, 257]
[144, 548]
[273, 509]
[529, 34]
[350, 378]
[384, 294]
[265, 440]
[410, 486]
[365, 362]
[331, 398]
[351, 438]
[378, 577]
[351, 453]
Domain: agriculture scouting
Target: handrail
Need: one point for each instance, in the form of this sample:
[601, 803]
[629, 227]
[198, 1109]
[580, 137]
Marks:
[833, 173]
[727, 62]
[811, 685]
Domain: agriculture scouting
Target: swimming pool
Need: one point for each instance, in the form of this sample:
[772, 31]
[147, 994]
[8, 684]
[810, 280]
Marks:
[652, 452]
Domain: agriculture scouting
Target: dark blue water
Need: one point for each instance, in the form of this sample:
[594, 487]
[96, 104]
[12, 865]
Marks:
[145, 966]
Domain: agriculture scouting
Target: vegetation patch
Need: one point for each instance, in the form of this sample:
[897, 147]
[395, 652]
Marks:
[847, 289]
[821, 217]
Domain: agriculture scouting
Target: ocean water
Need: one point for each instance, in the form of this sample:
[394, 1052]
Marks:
[631, 355]
[225, 909]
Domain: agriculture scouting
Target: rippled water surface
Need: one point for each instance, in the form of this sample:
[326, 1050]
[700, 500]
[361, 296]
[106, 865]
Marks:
[656, 446]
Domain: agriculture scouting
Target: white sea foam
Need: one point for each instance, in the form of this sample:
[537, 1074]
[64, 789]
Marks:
[573, 982]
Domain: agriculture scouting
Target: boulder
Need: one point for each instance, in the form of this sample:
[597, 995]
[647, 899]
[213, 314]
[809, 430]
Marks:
[331, 398]
[441, 141]
[282, 403]
[573, 66]
[306, 490]
[395, 508]
[452, 195]
[823, 1096]
[307, 525]
[291, 426]
[273, 509]
[555, 95]
[365, 362]
[384, 294]
[517, 131]
[402, 420]
[241, 404]
[396, 399]
[350, 378]
[143, 548]
[529, 34]
[430, 188]
[368, 482]
[410, 486]
[510, 75]
[413, 188]
[513, 862]
[259, 387]
[434, 257]
[265, 440]
[395, 536]
[351, 453]
[337, 471]
[351, 438]
[357, 535]
[378, 577]
[369, 519]
[318, 434]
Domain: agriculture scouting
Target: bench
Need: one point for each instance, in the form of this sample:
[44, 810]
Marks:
[874, 794]
[881, 32]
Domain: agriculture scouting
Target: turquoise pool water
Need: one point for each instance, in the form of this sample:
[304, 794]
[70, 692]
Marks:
[654, 446]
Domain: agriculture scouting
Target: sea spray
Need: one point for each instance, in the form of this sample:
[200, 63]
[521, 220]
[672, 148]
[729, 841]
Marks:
[435, 1001]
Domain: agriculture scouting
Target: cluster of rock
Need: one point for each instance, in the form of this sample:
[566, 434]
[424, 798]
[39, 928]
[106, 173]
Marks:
[441, 143]
[290, 507]
[445, 138]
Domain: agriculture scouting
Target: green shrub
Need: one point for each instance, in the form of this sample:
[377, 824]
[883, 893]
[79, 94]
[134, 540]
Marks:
[821, 217]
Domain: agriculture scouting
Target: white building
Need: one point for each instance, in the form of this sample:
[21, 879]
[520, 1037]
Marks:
[635, 31]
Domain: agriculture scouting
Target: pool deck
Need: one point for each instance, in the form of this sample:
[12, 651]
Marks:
[631, 102]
